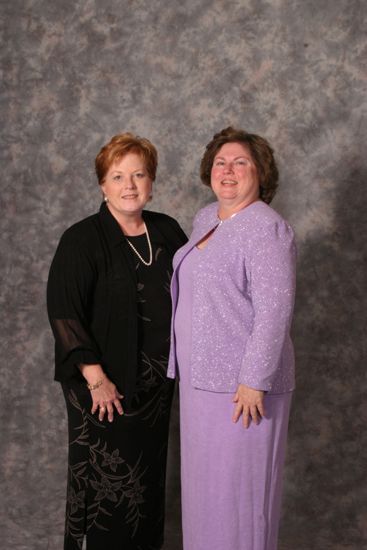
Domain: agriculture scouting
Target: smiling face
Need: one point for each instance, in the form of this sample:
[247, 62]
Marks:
[127, 186]
[234, 178]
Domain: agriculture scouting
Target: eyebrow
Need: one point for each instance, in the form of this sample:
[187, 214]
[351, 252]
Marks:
[121, 172]
[236, 158]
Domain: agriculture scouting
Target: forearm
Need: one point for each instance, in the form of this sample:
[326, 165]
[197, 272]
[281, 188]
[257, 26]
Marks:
[264, 350]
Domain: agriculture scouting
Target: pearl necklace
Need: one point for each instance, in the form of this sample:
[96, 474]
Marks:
[149, 262]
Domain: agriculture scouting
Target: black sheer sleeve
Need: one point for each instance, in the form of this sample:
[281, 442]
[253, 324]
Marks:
[70, 287]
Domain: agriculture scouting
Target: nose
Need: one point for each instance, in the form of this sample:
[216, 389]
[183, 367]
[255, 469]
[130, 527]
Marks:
[130, 184]
[228, 168]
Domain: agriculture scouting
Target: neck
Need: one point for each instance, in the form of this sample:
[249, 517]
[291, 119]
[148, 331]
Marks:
[226, 210]
[131, 224]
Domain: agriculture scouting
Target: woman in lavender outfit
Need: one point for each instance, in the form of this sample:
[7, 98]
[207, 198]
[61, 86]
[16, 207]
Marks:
[233, 294]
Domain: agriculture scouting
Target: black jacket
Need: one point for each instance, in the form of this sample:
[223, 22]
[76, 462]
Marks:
[92, 296]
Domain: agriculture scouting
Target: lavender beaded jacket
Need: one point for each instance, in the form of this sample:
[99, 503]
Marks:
[243, 297]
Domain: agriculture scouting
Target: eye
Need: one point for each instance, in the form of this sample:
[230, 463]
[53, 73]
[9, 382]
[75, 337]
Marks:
[117, 178]
[241, 162]
[139, 175]
[219, 163]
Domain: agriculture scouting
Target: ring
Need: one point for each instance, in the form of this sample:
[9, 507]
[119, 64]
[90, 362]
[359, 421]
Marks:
[101, 408]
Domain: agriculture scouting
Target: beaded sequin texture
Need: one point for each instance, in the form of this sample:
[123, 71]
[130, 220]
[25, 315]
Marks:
[243, 297]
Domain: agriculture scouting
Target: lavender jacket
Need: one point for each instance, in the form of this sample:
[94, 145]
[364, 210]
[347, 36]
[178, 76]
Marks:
[243, 299]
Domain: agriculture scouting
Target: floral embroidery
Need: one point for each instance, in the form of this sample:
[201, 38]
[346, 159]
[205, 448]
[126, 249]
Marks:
[105, 487]
[136, 493]
[112, 480]
[76, 500]
[112, 460]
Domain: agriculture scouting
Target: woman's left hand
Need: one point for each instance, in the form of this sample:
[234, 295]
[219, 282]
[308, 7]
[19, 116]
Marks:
[249, 403]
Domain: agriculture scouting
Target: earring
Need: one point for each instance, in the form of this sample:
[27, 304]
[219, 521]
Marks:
[105, 198]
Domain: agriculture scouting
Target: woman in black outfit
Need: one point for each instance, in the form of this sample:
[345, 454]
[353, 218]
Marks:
[109, 308]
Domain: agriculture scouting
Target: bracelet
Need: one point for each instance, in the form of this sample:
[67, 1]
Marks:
[92, 387]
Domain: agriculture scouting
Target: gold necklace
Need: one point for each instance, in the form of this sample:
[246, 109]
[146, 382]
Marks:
[149, 262]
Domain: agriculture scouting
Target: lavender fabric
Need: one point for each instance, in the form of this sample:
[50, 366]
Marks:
[231, 477]
[242, 301]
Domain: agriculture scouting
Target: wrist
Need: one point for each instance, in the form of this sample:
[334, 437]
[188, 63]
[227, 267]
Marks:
[96, 385]
[92, 373]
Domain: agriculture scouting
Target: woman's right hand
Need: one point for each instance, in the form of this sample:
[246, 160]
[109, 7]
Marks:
[105, 396]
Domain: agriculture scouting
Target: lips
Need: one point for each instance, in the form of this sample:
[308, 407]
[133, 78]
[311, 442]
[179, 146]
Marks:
[228, 182]
[132, 196]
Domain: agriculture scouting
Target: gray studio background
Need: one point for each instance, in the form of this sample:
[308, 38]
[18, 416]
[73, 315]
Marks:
[76, 73]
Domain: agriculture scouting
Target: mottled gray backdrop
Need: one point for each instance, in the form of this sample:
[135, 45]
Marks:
[74, 74]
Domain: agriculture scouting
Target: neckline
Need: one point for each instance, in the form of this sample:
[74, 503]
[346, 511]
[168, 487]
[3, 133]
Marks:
[135, 236]
[229, 218]
[235, 213]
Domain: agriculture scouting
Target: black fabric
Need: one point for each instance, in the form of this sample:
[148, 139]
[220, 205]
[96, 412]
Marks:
[106, 307]
[92, 296]
[116, 478]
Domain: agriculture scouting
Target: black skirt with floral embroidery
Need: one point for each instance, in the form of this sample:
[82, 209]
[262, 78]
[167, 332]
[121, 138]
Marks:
[116, 475]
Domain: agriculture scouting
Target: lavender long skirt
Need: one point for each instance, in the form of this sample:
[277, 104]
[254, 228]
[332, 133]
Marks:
[231, 477]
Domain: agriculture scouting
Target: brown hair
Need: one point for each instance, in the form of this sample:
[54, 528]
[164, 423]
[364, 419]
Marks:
[260, 151]
[121, 145]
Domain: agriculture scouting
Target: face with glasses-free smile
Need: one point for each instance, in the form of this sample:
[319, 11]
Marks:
[234, 178]
[127, 186]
